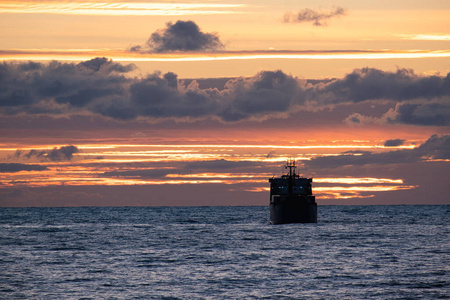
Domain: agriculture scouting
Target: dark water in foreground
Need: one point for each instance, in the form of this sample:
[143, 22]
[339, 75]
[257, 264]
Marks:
[354, 252]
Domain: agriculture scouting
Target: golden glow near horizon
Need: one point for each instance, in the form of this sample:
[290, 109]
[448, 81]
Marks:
[133, 164]
[124, 55]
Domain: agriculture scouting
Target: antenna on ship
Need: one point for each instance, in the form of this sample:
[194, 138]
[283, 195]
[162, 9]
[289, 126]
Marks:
[291, 165]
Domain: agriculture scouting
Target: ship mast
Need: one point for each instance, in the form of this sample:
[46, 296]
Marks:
[291, 165]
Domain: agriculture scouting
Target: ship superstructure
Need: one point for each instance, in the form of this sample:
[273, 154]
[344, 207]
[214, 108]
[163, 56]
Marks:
[291, 198]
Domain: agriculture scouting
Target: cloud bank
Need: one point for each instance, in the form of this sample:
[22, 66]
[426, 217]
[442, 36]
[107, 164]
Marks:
[315, 17]
[101, 87]
[435, 148]
[181, 36]
[219, 165]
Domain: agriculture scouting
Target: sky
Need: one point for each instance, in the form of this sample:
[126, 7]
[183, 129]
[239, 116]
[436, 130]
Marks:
[185, 103]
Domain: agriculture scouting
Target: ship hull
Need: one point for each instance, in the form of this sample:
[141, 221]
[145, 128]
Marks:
[293, 209]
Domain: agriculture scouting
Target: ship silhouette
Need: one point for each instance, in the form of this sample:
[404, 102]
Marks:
[291, 198]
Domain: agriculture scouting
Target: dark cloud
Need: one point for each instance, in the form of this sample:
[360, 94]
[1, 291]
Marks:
[159, 96]
[369, 84]
[425, 114]
[357, 119]
[103, 64]
[220, 164]
[100, 87]
[264, 94]
[317, 18]
[436, 147]
[15, 167]
[59, 88]
[181, 36]
[55, 154]
[185, 168]
[394, 143]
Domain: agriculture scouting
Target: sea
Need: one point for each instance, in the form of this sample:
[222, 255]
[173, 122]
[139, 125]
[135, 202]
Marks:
[353, 252]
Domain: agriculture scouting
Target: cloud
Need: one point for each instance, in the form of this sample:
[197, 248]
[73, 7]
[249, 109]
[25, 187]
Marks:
[220, 164]
[394, 142]
[317, 18]
[55, 154]
[105, 65]
[159, 96]
[125, 8]
[269, 92]
[181, 36]
[141, 173]
[425, 37]
[213, 166]
[357, 119]
[431, 113]
[101, 87]
[58, 88]
[372, 84]
[424, 114]
[15, 167]
[436, 147]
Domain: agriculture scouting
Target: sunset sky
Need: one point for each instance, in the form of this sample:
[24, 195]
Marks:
[160, 103]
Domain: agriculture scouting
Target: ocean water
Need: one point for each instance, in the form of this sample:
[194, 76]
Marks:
[354, 252]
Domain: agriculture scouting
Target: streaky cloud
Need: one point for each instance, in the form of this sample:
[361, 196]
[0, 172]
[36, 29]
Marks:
[17, 167]
[123, 8]
[144, 53]
[220, 164]
[425, 37]
[141, 173]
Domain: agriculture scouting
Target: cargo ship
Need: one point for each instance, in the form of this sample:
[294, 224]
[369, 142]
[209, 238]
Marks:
[291, 198]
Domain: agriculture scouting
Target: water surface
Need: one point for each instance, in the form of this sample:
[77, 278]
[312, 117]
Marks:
[354, 252]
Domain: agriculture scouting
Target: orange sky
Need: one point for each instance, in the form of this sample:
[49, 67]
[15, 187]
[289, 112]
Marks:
[39, 27]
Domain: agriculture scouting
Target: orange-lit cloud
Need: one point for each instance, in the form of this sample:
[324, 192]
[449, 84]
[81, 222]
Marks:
[340, 192]
[352, 180]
